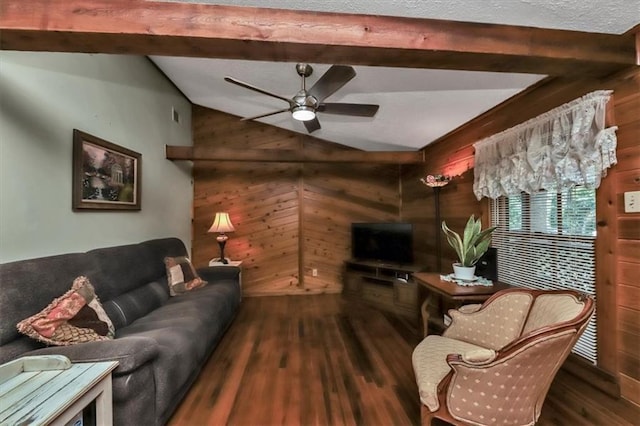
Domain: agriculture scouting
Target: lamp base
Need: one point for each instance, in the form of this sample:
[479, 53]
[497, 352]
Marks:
[224, 261]
[222, 240]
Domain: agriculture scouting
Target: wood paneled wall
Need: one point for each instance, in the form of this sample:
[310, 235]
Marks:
[290, 218]
[457, 203]
[618, 240]
[626, 177]
[335, 195]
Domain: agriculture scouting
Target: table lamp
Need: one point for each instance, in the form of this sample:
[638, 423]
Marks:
[222, 225]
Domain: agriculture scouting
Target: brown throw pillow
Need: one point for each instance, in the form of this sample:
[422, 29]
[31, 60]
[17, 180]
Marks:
[75, 317]
[182, 276]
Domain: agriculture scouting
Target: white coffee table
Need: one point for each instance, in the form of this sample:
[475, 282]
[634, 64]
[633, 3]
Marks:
[50, 390]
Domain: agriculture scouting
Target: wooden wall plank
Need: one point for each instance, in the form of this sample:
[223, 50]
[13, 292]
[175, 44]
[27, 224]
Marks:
[628, 274]
[261, 198]
[627, 178]
[629, 296]
[630, 388]
[334, 197]
[628, 251]
[629, 320]
[290, 218]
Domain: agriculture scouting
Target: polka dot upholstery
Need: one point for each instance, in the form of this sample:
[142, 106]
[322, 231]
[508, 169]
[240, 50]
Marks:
[552, 309]
[500, 373]
[496, 325]
[509, 391]
[430, 365]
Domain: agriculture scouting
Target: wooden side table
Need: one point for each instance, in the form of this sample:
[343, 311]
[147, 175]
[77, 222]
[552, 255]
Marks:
[238, 263]
[450, 292]
[216, 262]
[49, 390]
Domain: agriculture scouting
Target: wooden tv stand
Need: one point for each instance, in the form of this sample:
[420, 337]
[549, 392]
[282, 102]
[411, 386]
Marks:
[386, 286]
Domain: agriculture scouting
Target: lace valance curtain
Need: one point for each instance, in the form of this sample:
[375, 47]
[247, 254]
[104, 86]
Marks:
[557, 150]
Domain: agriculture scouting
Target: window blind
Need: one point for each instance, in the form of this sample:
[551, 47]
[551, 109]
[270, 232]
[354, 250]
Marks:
[546, 240]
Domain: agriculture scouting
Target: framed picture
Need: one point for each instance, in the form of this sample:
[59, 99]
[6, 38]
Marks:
[106, 176]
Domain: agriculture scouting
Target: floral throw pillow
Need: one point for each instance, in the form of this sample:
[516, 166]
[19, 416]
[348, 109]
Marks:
[75, 317]
[182, 276]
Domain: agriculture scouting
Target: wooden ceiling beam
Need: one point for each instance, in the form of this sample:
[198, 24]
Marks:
[174, 152]
[214, 31]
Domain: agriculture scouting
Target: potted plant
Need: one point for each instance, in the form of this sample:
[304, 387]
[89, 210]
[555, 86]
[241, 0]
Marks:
[470, 248]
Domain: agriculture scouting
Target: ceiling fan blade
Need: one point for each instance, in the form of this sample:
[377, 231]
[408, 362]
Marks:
[335, 77]
[312, 125]
[265, 115]
[359, 110]
[257, 89]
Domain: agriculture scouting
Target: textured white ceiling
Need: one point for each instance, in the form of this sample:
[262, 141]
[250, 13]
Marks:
[416, 105]
[597, 16]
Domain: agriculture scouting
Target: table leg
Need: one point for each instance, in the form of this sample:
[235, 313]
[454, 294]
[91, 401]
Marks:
[104, 404]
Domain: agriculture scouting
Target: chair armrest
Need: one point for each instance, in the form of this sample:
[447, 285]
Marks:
[217, 273]
[516, 380]
[474, 357]
[131, 352]
[468, 309]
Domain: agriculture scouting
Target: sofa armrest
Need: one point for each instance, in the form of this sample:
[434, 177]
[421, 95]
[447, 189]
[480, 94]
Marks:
[131, 352]
[217, 273]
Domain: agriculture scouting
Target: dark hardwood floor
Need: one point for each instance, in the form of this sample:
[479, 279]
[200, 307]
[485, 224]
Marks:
[324, 360]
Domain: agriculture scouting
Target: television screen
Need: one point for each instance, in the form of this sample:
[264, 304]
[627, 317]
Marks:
[382, 242]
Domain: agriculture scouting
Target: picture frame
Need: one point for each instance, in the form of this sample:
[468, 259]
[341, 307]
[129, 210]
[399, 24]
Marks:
[106, 176]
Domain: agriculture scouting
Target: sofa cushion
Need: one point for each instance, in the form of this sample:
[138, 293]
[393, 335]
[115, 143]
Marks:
[185, 328]
[128, 307]
[181, 275]
[75, 317]
[429, 360]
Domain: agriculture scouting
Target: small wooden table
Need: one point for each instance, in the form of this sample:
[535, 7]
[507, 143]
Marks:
[236, 263]
[451, 292]
[50, 390]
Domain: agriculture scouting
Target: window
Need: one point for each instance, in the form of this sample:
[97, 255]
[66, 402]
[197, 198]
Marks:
[546, 240]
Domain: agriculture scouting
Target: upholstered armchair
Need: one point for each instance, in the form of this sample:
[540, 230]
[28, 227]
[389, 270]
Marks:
[496, 361]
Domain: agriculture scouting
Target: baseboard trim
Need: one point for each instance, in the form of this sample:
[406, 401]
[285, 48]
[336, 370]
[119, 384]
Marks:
[596, 377]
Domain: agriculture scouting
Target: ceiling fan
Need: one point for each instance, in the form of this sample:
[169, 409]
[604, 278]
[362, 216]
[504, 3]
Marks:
[305, 104]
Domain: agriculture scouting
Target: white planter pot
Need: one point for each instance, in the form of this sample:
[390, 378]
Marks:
[464, 272]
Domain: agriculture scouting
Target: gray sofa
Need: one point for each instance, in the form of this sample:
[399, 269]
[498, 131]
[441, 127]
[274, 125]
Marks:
[161, 342]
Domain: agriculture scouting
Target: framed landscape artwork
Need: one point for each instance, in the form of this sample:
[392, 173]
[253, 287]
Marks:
[106, 176]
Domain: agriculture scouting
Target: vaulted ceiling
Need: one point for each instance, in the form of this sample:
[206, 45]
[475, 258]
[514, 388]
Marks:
[417, 105]
[429, 76]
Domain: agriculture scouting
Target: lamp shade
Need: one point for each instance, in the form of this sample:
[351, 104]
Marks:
[221, 223]
[435, 181]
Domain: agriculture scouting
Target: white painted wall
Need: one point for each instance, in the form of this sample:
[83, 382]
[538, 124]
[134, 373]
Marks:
[122, 99]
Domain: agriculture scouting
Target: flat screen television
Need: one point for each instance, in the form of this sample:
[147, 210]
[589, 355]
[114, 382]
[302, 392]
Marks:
[382, 242]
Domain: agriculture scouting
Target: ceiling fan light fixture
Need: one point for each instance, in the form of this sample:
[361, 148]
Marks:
[303, 113]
